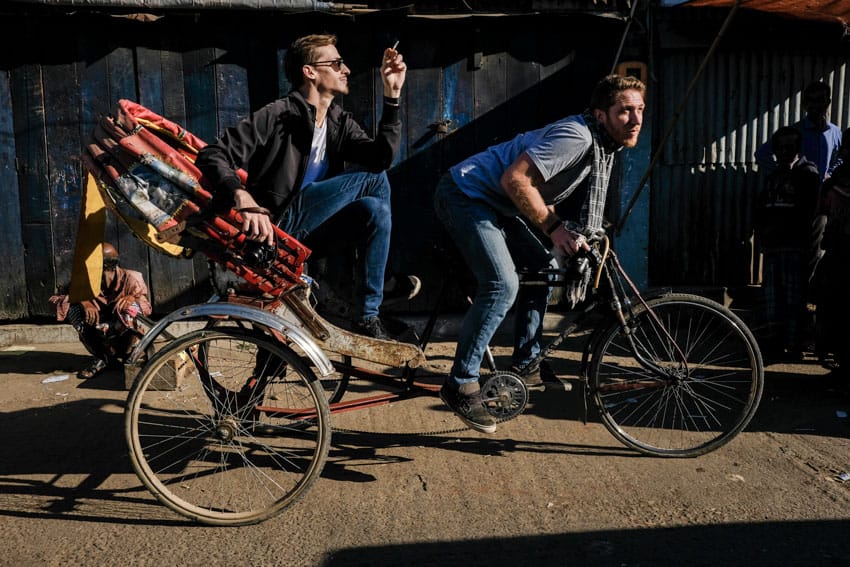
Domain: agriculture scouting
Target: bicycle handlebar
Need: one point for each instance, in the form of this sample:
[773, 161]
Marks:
[586, 258]
[579, 262]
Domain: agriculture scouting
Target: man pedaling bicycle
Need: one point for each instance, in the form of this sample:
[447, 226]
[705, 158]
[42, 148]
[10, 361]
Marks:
[499, 207]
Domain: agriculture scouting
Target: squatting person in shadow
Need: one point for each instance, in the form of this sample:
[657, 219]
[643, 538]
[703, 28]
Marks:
[107, 325]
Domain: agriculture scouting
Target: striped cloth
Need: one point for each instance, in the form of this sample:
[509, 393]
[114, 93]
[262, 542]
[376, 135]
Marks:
[593, 208]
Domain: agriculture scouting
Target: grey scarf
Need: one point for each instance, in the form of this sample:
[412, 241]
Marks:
[593, 208]
[604, 149]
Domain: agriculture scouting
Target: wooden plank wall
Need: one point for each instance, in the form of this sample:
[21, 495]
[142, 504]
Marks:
[482, 79]
[12, 275]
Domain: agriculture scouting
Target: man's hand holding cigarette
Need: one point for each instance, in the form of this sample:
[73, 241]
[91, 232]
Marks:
[393, 71]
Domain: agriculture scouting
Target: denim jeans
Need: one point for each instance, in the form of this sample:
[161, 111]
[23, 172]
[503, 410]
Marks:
[349, 210]
[494, 246]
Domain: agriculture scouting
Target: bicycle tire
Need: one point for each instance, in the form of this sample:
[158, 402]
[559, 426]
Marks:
[221, 436]
[334, 385]
[693, 408]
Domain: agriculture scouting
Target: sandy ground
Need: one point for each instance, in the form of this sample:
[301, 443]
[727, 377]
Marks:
[407, 484]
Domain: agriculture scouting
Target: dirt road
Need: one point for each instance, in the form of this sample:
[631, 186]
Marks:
[546, 489]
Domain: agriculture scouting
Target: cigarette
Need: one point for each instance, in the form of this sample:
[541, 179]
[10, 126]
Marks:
[395, 45]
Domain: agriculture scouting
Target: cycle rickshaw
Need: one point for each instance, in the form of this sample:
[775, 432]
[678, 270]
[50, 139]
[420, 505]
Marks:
[230, 424]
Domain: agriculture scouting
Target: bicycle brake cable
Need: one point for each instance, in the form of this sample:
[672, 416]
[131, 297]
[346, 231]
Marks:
[622, 274]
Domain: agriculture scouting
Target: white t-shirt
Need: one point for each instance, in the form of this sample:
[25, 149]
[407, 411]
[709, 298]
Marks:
[317, 165]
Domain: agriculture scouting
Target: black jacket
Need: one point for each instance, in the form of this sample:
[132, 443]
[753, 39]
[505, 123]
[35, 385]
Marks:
[787, 206]
[273, 146]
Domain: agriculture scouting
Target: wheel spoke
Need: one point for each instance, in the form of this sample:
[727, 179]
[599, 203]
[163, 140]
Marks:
[217, 446]
[699, 403]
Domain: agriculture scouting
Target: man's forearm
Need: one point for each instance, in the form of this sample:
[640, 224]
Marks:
[521, 182]
[529, 202]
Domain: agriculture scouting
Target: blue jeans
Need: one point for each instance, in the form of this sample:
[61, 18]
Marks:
[494, 246]
[349, 210]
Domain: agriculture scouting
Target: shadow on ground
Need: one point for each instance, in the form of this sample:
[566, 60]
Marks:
[770, 543]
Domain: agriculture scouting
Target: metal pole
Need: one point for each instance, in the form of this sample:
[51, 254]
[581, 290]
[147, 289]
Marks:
[676, 115]
[623, 38]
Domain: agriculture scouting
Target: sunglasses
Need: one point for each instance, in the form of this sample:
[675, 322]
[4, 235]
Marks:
[336, 64]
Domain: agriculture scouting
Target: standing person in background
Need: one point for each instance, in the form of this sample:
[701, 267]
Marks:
[498, 206]
[784, 213]
[832, 280]
[821, 145]
[106, 325]
[821, 139]
[295, 150]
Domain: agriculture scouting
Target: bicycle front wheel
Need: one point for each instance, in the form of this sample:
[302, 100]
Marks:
[682, 378]
[227, 426]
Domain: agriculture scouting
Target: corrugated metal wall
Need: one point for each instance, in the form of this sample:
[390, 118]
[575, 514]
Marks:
[704, 186]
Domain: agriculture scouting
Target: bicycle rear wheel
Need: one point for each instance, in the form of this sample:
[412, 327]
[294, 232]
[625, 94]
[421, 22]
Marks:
[227, 426]
[681, 383]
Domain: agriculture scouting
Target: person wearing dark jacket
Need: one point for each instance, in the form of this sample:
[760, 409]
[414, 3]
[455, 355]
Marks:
[295, 151]
[785, 210]
[832, 279]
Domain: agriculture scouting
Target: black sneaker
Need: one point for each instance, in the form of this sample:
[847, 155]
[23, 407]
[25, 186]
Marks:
[371, 327]
[469, 408]
[539, 376]
[401, 288]
[531, 378]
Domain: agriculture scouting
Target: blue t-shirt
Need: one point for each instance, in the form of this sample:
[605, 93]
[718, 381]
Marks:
[561, 151]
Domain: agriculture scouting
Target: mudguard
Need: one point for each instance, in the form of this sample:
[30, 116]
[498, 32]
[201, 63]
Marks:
[240, 312]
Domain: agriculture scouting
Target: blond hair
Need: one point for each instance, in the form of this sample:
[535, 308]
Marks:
[300, 53]
[605, 93]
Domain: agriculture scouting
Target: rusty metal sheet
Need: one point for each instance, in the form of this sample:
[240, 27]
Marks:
[332, 339]
[605, 8]
[815, 10]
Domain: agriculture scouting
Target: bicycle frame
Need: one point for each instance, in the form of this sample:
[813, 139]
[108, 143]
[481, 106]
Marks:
[620, 311]
[406, 386]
